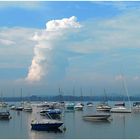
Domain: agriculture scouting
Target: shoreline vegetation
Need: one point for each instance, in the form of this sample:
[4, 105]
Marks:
[71, 98]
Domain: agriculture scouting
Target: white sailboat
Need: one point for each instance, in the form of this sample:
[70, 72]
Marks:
[104, 105]
[20, 107]
[122, 108]
[90, 104]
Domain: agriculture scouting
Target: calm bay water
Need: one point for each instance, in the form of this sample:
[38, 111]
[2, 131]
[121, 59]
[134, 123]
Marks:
[121, 126]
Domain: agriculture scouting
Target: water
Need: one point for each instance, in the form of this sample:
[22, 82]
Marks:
[121, 126]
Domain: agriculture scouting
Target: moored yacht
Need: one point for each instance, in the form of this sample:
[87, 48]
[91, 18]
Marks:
[103, 107]
[28, 109]
[46, 124]
[78, 106]
[90, 104]
[97, 117]
[69, 106]
[136, 106]
[5, 115]
[120, 109]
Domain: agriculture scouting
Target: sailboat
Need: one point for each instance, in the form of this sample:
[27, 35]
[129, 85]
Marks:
[20, 107]
[104, 106]
[120, 108]
[61, 99]
[2, 104]
[90, 104]
[69, 107]
[79, 106]
[27, 106]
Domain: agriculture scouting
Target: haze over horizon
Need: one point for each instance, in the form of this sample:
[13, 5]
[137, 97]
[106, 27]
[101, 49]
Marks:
[45, 46]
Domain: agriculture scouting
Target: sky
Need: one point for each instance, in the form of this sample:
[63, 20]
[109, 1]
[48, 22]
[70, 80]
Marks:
[45, 46]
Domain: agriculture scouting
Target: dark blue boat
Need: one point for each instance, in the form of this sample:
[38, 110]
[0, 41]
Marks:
[54, 111]
[5, 115]
[46, 125]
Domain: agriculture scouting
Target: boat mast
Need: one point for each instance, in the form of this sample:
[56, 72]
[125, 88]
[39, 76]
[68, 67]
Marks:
[1, 96]
[105, 97]
[21, 94]
[126, 90]
[73, 93]
[81, 95]
[60, 94]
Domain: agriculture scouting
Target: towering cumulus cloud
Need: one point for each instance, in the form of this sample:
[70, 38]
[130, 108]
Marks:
[47, 41]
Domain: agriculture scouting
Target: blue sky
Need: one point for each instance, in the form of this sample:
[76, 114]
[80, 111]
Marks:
[89, 57]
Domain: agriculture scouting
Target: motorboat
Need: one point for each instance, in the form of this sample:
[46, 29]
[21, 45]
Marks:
[19, 108]
[12, 107]
[103, 107]
[5, 115]
[120, 109]
[3, 104]
[136, 106]
[43, 104]
[28, 109]
[69, 106]
[78, 106]
[90, 104]
[46, 124]
[97, 117]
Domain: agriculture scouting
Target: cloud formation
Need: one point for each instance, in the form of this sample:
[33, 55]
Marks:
[30, 5]
[6, 42]
[55, 31]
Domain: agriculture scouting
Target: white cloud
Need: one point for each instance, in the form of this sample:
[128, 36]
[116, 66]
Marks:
[6, 42]
[30, 5]
[20, 47]
[55, 32]
[109, 39]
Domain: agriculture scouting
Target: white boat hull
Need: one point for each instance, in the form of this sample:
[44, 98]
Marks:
[96, 117]
[120, 110]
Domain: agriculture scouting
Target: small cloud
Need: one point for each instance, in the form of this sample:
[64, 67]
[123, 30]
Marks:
[21, 4]
[6, 42]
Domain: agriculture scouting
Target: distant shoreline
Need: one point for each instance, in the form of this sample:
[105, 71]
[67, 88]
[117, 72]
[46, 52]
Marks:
[70, 98]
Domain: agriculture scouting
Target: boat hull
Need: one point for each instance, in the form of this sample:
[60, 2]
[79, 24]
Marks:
[4, 116]
[45, 127]
[96, 117]
[103, 109]
[28, 109]
[114, 110]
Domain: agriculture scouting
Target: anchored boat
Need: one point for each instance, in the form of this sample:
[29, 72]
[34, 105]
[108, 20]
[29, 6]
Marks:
[97, 117]
[5, 115]
[78, 106]
[45, 125]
